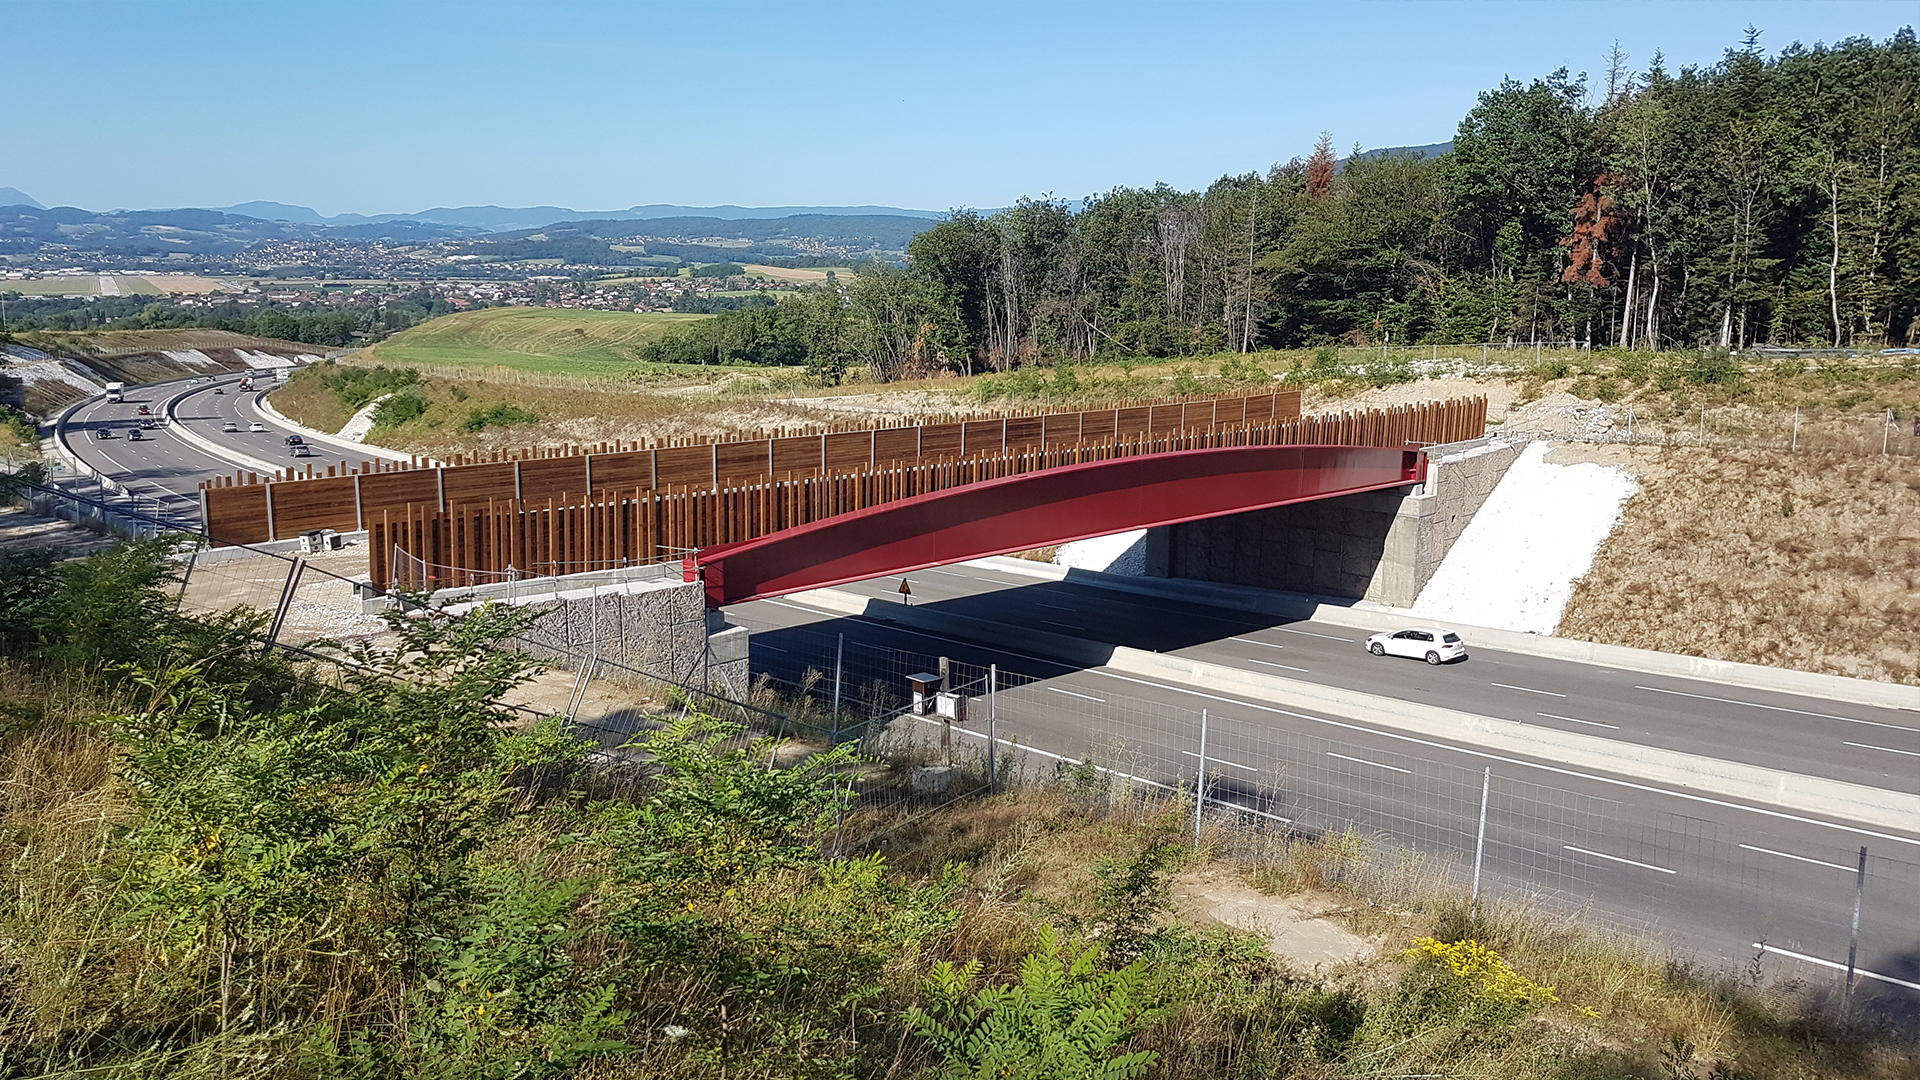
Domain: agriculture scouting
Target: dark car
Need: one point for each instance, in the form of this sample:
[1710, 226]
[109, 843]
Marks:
[102, 433]
[295, 440]
[135, 435]
[219, 389]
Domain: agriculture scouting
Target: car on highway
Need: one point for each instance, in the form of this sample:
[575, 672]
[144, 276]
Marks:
[302, 450]
[102, 433]
[135, 435]
[147, 423]
[229, 426]
[295, 440]
[144, 411]
[1430, 643]
[256, 426]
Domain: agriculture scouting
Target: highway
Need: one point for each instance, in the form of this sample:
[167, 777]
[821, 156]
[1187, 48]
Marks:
[1719, 875]
[166, 467]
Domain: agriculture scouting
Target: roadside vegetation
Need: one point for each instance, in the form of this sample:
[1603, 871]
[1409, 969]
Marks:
[223, 862]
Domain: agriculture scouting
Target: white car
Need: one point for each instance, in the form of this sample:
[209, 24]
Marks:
[1429, 643]
[229, 426]
[256, 426]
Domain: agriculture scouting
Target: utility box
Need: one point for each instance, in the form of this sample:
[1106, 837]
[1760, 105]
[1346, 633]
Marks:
[926, 687]
[951, 707]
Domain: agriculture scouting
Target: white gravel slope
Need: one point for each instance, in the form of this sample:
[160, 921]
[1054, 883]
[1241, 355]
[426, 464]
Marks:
[1515, 566]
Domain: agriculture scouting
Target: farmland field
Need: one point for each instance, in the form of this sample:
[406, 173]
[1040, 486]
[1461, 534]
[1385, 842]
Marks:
[68, 285]
[548, 340]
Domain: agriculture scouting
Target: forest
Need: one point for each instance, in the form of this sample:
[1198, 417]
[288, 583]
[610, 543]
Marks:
[1759, 200]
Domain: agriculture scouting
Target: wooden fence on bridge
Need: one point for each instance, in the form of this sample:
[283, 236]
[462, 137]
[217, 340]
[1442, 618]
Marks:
[250, 508]
[475, 541]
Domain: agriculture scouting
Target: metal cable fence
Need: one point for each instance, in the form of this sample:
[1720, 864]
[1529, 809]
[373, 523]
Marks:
[1254, 779]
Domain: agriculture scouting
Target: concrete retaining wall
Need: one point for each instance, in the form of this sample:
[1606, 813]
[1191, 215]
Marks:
[1382, 546]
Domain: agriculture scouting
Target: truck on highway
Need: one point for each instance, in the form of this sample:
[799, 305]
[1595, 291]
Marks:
[246, 383]
[116, 391]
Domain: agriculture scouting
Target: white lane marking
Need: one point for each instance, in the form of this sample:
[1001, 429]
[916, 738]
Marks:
[1618, 859]
[1055, 607]
[1779, 815]
[797, 607]
[1016, 745]
[1836, 966]
[1269, 663]
[1577, 720]
[969, 577]
[1250, 641]
[1062, 625]
[1070, 693]
[1800, 858]
[1685, 796]
[1775, 708]
[1527, 689]
[1306, 633]
[1888, 749]
[1222, 761]
[1375, 764]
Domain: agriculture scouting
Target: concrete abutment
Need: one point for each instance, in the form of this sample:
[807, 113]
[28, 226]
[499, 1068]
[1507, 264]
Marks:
[1382, 546]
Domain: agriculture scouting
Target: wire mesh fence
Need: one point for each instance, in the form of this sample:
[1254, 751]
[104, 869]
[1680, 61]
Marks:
[1413, 826]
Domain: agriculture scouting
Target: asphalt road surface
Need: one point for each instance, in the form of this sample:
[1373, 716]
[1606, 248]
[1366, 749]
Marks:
[1719, 875]
[166, 468]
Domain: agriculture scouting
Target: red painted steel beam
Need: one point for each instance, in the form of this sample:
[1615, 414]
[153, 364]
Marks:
[1039, 509]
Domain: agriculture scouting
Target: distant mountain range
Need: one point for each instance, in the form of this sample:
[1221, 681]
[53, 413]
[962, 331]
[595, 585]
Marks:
[490, 219]
[509, 218]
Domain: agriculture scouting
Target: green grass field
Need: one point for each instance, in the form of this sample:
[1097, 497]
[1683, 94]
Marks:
[548, 340]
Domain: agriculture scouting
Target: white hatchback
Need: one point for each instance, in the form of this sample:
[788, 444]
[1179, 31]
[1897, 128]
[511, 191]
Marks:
[1429, 643]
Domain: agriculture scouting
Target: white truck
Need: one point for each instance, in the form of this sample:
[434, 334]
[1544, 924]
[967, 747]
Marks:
[116, 391]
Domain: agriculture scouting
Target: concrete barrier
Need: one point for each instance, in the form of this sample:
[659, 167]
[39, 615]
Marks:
[331, 441]
[1695, 773]
[1362, 615]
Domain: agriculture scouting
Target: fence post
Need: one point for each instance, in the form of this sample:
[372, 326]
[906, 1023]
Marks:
[1853, 942]
[993, 720]
[1480, 841]
[839, 653]
[1884, 427]
[1200, 789]
[1796, 428]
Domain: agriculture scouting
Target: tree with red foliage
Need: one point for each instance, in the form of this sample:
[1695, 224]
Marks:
[1599, 236]
[1320, 167]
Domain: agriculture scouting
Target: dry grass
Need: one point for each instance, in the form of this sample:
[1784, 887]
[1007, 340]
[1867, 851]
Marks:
[1807, 561]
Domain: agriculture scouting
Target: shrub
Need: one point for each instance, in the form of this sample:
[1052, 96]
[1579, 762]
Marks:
[498, 416]
[1465, 982]
[398, 409]
[1066, 1019]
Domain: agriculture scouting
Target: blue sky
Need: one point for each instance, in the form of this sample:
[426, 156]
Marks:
[399, 107]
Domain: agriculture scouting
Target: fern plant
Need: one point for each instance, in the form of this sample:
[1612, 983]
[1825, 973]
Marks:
[1066, 1019]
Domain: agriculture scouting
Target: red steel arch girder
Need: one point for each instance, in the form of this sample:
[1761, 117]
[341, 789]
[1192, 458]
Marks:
[1038, 509]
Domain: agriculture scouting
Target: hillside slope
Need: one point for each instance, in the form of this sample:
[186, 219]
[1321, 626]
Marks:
[555, 340]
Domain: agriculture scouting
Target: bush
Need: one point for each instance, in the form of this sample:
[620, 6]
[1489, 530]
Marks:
[1466, 983]
[498, 416]
[1713, 367]
[400, 408]
[355, 386]
[1064, 1020]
